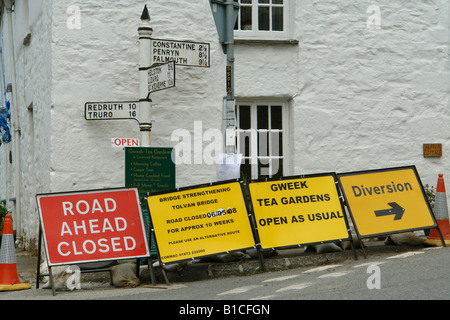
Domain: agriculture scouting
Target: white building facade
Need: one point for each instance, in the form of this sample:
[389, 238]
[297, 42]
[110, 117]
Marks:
[321, 86]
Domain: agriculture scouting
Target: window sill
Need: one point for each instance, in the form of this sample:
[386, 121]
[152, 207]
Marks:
[267, 41]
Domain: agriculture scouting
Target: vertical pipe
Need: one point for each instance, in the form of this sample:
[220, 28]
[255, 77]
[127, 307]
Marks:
[15, 123]
[230, 103]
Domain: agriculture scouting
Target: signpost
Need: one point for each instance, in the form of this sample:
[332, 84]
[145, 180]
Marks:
[200, 221]
[153, 53]
[299, 210]
[387, 201]
[145, 62]
[157, 60]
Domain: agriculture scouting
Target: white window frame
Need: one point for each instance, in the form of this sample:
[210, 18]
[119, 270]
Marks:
[253, 133]
[255, 34]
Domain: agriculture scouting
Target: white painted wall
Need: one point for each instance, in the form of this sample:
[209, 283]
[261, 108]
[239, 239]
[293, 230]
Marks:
[370, 98]
[359, 98]
[33, 73]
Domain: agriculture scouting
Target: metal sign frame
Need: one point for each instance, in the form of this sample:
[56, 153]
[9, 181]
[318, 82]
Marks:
[193, 188]
[389, 211]
[224, 23]
[90, 192]
[309, 176]
[89, 270]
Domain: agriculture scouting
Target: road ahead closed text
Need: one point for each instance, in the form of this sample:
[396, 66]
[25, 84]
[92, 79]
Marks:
[83, 227]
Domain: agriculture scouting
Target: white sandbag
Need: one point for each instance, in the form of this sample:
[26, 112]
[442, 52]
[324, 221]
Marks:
[323, 248]
[65, 278]
[404, 239]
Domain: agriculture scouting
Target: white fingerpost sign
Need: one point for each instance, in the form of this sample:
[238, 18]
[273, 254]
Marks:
[161, 77]
[184, 53]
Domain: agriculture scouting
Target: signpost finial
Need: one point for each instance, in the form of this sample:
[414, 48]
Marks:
[145, 14]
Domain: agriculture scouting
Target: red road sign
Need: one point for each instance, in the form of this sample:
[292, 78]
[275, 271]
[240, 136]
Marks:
[92, 226]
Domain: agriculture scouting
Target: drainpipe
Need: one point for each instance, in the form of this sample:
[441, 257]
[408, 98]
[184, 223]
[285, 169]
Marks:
[15, 120]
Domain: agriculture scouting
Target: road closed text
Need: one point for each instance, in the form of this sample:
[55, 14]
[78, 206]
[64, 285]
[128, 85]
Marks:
[93, 227]
[200, 221]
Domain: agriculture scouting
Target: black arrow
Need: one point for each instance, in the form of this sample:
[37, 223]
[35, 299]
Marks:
[396, 209]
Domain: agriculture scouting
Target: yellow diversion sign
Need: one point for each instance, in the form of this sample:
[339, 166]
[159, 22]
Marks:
[200, 221]
[386, 201]
[295, 211]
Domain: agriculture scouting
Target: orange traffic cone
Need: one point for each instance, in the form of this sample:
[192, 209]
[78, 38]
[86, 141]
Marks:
[9, 280]
[441, 214]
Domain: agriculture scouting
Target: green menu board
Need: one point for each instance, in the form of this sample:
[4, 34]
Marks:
[151, 170]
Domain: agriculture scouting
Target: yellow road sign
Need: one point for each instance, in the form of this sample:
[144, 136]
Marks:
[386, 201]
[200, 221]
[295, 211]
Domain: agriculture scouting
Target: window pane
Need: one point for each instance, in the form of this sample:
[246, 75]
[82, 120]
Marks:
[263, 117]
[263, 144]
[245, 142]
[280, 143]
[277, 1]
[246, 170]
[277, 19]
[263, 1]
[277, 168]
[276, 117]
[276, 140]
[244, 117]
[246, 1]
[246, 18]
[262, 148]
[264, 169]
[264, 18]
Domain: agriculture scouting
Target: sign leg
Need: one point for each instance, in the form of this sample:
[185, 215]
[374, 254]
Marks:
[440, 236]
[138, 266]
[353, 249]
[52, 280]
[261, 258]
[38, 268]
[362, 247]
[165, 275]
[152, 271]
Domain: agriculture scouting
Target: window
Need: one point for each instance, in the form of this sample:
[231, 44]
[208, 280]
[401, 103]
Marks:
[263, 19]
[262, 139]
